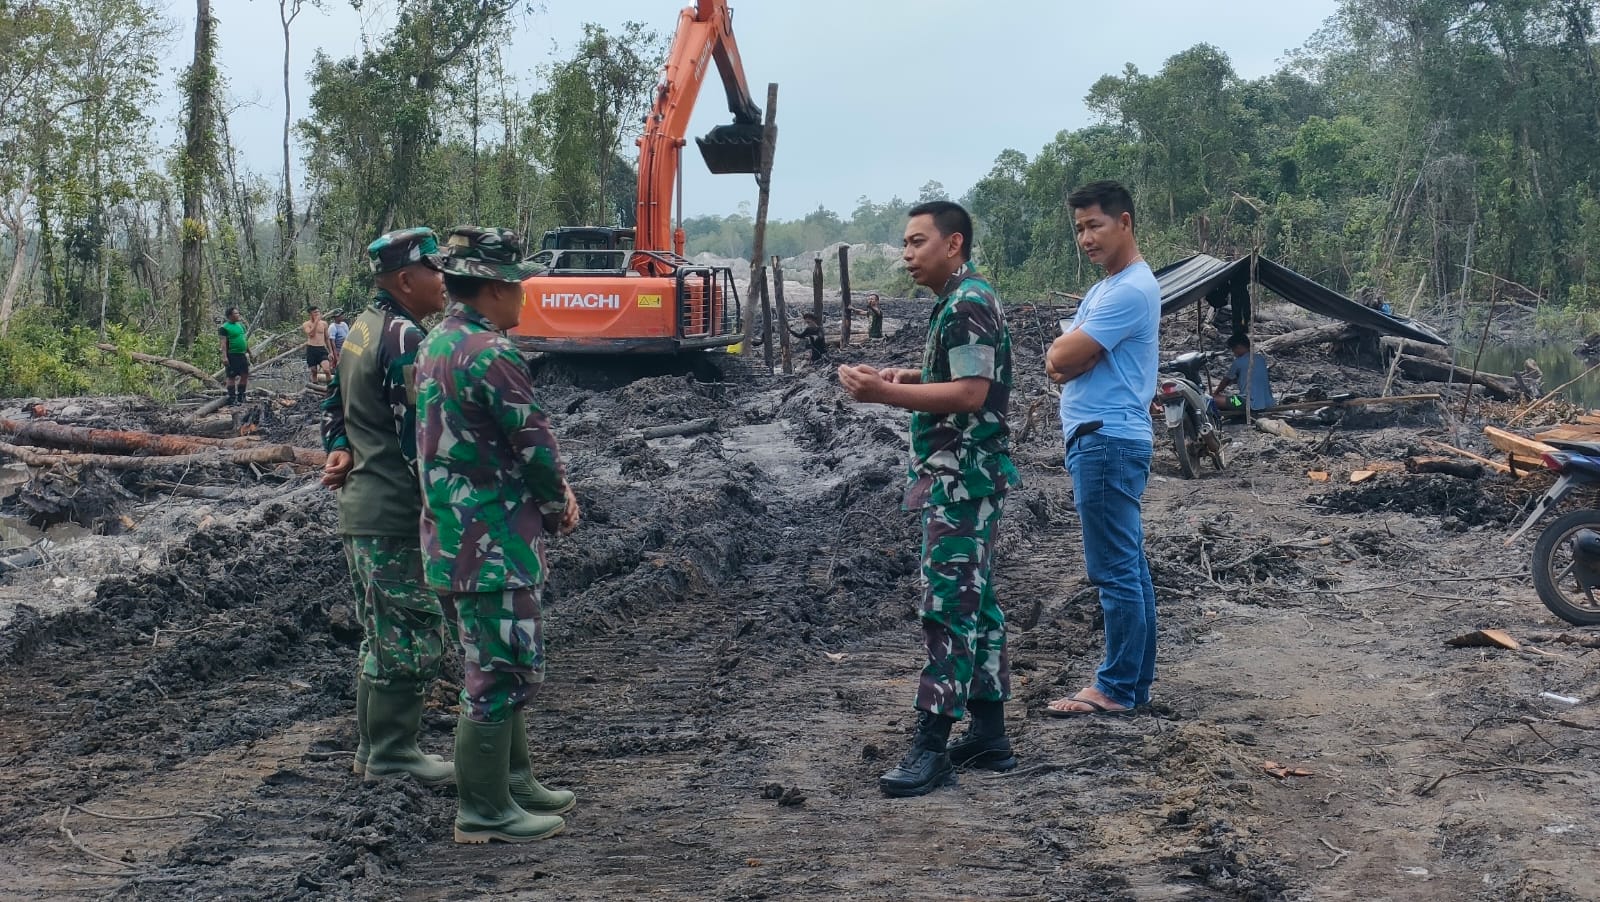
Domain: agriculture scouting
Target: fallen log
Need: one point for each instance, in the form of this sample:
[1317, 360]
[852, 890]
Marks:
[1323, 334]
[1345, 402]
[1392, 346]
[692, 427]
[1494, 465]
[272, 454]
[209, 408]
[1275, 427]
[1461, 469]
[188, 369]
[36, 431]
[1500, 388]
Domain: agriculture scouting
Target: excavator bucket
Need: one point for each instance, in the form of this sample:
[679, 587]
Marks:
[733, 148]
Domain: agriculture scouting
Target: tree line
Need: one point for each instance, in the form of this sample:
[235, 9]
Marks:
[1432, 148]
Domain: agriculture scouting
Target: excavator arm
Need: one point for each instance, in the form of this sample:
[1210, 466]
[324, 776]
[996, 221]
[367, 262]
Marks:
[704, 36]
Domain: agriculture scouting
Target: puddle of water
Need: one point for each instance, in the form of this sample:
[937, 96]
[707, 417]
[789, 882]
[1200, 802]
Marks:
[16, 534]
[1554, 358]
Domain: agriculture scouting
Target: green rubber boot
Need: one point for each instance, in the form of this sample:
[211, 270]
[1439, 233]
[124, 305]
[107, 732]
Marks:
[527, 791]
[485, 810]
[394, 715]
[363, 741]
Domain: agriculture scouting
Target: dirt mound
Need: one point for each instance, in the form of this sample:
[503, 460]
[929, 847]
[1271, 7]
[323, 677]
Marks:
[1461, 504]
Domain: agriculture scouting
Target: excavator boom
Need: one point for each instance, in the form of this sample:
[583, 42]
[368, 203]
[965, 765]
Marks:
[704, 37]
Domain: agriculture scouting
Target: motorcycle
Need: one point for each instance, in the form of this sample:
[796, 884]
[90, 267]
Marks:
[1566, 558]
[1186, 415]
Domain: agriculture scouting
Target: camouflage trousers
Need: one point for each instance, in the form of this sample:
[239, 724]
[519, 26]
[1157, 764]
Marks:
[962, 625]
[502, 643]
[402, 622]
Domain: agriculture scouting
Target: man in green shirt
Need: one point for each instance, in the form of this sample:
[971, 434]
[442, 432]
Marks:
[369, 428]
[874, 315]
[236, 355]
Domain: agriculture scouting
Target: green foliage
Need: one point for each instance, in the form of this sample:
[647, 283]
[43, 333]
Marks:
[42, 356]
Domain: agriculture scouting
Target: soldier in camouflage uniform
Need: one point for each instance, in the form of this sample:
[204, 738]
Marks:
[960, 471]
[493, 487]
[369, 430]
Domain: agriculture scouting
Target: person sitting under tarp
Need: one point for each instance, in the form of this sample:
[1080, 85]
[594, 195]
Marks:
[1248, 371]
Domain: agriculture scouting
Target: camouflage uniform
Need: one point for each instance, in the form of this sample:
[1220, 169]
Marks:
[493, 485]
[371, 412]
[960, 471]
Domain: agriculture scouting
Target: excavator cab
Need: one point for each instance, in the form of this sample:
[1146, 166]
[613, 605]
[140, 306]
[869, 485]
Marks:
[734, 148]
[580, 249]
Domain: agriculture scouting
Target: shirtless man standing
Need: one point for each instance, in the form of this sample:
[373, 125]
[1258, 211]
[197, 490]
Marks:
[316, 332]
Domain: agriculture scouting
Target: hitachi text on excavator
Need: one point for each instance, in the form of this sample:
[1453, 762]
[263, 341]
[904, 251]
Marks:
[609, 291]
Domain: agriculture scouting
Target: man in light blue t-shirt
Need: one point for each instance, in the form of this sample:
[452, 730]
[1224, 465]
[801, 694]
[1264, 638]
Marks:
[1106, 367]
[1249, 372]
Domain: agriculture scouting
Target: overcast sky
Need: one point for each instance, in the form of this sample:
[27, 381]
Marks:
[876, 97]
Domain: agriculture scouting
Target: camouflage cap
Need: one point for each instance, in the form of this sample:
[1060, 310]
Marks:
[487, 253]
[403, 247]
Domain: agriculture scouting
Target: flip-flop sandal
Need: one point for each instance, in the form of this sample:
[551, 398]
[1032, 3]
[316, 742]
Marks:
[1095, 710]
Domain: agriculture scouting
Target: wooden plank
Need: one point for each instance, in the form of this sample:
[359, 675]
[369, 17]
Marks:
[1570, 434]
[1515, 444]
[1587, 419]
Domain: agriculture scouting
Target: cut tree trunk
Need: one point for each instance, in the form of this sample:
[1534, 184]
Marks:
[214, 458]
[188, 369]
[1464, 469]
[1323, 334]
[1500, 388]
[36, 431]
[1392, 346]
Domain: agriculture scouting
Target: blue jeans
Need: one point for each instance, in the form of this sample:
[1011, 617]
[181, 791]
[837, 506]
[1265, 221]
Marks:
[1108, 480]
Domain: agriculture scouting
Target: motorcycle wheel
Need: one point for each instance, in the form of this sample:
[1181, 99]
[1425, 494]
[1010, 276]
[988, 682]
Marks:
[1181, 442]
[1552, 569]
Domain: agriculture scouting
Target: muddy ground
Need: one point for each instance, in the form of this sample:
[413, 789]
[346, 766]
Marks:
[734, 621]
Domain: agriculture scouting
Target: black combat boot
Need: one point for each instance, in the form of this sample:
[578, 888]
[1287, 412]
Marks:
[926, 766]
[985, 745]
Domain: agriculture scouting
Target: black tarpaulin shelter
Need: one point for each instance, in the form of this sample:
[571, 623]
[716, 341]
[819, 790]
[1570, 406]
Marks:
[1185, 283]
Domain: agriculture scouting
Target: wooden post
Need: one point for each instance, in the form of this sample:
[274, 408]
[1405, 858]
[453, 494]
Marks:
[844, 295]
[759, 286]
[758, 252]
[816, 289]
[783, 313]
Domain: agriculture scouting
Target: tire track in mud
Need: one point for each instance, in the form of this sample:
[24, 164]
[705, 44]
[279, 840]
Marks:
[741, 618]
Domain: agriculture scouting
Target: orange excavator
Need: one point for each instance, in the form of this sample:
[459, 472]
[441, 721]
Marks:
[626, 291]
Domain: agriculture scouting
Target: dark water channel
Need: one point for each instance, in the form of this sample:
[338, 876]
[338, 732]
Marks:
[1555, 358]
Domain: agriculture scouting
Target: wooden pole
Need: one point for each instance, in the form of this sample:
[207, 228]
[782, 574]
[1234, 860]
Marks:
[1483, 339]
[783, 313]
[766, 316]
[758, 251]
[844, 295]
[816, 289]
